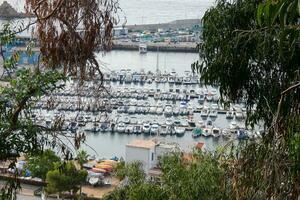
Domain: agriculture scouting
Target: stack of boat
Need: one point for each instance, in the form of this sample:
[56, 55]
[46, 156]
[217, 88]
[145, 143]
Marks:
[127, 76]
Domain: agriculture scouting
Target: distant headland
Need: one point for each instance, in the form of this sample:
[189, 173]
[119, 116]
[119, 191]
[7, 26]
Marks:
[8, 12]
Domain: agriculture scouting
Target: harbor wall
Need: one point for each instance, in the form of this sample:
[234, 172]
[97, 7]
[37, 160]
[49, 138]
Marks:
[164, 47]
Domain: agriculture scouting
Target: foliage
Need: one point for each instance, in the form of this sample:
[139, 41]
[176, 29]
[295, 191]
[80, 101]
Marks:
[82, 157]
[203, 177]
[64, 51]
[18, 131]
[65, 177]
[251, 49]
[39, 165]
[248, 61]
[120, 170]
[135, 173]
[71, 31]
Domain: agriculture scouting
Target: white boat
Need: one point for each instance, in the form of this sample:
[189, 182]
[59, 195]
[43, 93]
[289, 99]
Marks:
[179, 130]
[216, 132]
[159, 110]
[229, 115]
[146, 127]
[169, 122]
[142, 48]
[94, 181]
[152, 110]
[204, 113]
[129, 129]
[200, 124]
[164, 130]
[178, 80]
[137, 129]
[131, 109]
[206, 132]
[168, 110]
[213, 114]
[154, 129]
[239, 115]
[176, 111]
[209, 97]
[128, 78]
[201, 98]
[171, 79]
[226, 133]
[233, 126]
[186, 80]
[121, 127]
[183, 104]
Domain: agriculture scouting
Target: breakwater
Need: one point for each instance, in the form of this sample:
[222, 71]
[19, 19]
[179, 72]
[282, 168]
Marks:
[188, 47]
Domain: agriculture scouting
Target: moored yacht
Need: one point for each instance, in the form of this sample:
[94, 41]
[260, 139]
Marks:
[142, 48]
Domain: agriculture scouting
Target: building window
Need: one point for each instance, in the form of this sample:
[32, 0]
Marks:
[152, 156]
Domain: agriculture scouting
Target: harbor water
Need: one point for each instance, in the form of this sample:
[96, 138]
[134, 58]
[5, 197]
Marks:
[113, 144]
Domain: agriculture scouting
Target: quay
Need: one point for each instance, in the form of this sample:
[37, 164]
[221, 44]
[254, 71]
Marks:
[186, 47]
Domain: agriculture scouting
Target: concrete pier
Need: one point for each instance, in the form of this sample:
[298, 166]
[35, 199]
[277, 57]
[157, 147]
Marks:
[188, 47]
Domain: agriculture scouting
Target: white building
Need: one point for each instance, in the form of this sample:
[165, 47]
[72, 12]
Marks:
[143, 151]
[148, 152]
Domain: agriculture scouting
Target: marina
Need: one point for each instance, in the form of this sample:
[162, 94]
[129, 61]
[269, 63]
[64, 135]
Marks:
[123, 111]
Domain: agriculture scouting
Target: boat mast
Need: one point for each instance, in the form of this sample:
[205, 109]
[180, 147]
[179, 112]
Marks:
[157, 61]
